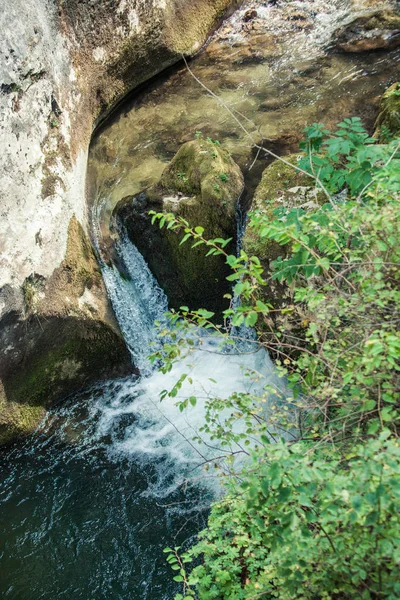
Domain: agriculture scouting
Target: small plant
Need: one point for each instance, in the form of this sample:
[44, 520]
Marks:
[223, 177]
[183, 177]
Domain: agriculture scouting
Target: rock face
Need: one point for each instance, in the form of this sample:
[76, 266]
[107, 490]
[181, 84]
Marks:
[63, 66]
[60, 70]
[202, 184]
[63, 337]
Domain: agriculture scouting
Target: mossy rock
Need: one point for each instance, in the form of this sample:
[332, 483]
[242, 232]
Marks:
[389, 116]
[281, 186]
[49, 359]
[202, 184]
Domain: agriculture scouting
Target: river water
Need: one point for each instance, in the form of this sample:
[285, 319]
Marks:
[113, 475]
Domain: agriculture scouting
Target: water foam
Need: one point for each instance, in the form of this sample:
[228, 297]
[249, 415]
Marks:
[131, 413]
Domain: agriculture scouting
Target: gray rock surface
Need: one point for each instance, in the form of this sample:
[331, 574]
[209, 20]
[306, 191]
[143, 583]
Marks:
[63, 66]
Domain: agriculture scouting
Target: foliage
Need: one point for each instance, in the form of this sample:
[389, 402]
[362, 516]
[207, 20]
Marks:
[343, 267]
[317, 518]
[307, 525]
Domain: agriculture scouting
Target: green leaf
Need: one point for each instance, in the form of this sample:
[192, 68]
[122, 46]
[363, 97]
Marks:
[184, 239]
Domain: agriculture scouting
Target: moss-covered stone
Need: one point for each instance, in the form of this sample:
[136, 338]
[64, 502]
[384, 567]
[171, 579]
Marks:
[64, 338]
[186, 26]
[206, 180]
[202, 184]
[280, 186]
[388, 121]
[45, 360]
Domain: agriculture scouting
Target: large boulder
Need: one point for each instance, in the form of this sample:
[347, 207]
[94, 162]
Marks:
[202, 184]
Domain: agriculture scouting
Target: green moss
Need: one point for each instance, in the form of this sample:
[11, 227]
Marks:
[185, 28]
[67, 355]
[276, 184]
[65, 366]
[32, 287]
[280, 186]
[388, 121]
[18, 420]
[212, 185]
[204, 170]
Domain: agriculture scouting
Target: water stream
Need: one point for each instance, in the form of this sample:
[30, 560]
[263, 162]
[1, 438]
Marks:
[113, 475]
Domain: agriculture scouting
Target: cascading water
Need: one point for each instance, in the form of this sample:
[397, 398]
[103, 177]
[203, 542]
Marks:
[160, 428]
[138, 302]
[100, 483]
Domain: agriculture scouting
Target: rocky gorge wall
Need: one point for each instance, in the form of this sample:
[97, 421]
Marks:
[64, 65]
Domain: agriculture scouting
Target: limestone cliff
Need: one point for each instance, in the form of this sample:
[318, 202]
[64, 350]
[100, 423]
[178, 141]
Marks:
[63, 66]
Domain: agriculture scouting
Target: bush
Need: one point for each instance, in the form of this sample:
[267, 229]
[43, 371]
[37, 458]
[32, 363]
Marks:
[319, 517]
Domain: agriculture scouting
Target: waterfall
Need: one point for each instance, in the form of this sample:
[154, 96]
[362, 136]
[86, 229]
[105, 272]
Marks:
[160, 430]
[138, 302]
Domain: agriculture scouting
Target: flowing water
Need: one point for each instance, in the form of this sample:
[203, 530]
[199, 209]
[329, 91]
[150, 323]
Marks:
[114, 475]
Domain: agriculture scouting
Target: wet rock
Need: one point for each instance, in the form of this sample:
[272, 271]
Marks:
[249, 15]
[202, 184]
[273, 104]
[254, 25]
[297, 15]
[59, 336]
[281, 186]
[374, 31]
[44, 359]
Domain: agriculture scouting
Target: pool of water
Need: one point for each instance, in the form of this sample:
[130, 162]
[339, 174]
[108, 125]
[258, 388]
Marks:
[79, 519]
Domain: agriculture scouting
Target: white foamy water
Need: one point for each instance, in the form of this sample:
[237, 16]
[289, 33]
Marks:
[138, 302]
[131, 412]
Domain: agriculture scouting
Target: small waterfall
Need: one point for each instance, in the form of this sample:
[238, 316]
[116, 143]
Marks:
[138, 302]
[158, 432]
[211, 369]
